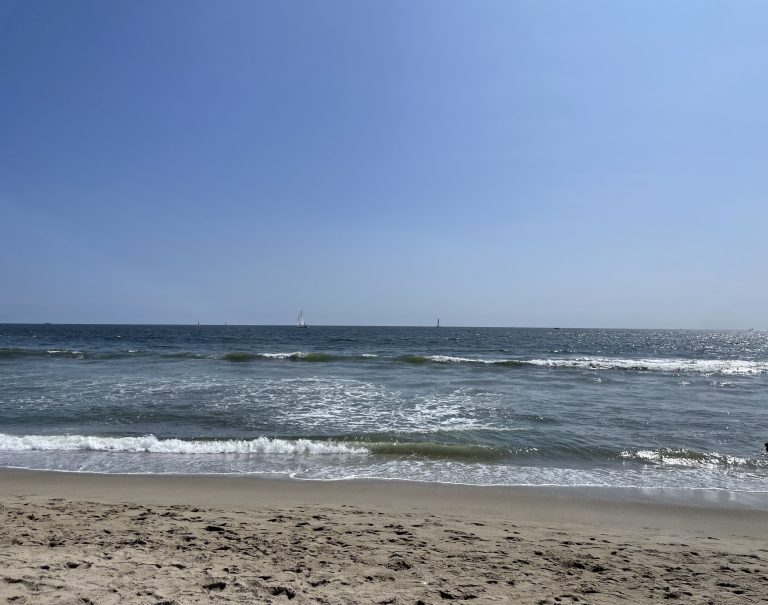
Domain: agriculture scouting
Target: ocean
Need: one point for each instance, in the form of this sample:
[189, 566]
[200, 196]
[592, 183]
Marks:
[670, 409]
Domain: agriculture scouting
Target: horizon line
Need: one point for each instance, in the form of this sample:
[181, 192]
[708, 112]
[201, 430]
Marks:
[432, 326]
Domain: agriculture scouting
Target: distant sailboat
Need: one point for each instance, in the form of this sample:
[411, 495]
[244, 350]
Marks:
[300, 320]
[438, 323]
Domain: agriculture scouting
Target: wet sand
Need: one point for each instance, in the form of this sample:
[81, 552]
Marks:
[77, 538]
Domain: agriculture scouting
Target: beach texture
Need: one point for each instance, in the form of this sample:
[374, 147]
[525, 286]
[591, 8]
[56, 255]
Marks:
[106, 539]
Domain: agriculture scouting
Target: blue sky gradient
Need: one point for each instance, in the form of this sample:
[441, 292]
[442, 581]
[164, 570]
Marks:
[510, 163]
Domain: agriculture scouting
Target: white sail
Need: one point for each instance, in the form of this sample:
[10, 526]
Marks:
[300, 320]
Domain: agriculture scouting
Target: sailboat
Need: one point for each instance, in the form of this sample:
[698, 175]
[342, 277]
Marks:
[300, 320]
[438, 323]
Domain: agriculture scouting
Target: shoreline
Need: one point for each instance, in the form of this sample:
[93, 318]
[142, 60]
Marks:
[683, 497]
[77, 537]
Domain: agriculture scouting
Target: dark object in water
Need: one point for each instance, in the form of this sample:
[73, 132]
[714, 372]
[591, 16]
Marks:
[766, 446]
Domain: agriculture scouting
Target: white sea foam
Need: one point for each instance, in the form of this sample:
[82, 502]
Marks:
[352, 406]
[452, 359]
[686, 458]
[728, 367]
[460, 472]
[151, 444]
[397, 468]
[64, 352]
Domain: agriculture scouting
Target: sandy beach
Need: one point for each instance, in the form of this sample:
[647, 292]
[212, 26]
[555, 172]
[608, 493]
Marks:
[77, 538]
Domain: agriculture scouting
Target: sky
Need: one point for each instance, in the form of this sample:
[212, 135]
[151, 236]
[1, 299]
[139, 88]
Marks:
[491, 163]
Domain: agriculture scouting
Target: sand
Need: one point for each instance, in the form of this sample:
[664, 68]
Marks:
[76, 538]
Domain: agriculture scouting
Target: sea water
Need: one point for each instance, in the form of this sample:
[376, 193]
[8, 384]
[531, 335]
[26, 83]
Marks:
[485, 406]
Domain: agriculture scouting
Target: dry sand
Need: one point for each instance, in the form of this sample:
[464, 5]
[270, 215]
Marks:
[69, 538]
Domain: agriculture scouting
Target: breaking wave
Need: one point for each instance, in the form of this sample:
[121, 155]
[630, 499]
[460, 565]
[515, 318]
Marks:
[692, 459]
[706, 367]
[299, 356]
[151, 444]
[728, 367]
[260, 445]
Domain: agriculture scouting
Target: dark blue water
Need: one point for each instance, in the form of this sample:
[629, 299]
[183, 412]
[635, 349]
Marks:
[666, 408]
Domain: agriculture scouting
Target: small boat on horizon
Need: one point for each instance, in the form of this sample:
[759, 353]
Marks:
[300, 323]
[438, 323]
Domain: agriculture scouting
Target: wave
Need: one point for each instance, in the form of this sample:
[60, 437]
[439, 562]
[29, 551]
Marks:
[260, 445]
[359, 448]
[454, 359]
[682, 457]
[706, 367]
[238, 356]
[151, 444]
[728, 367]
[299, 356]
[414, 359]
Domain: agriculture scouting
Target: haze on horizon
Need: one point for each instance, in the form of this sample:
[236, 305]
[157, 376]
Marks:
[504, 163]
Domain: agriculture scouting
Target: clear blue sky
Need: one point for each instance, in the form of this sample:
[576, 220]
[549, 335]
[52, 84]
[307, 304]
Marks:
[512, 163]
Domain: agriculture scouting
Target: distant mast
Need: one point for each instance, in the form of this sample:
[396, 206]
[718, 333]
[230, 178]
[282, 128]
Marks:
[300, 320]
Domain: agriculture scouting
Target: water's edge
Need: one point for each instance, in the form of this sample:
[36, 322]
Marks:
[698, 498]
